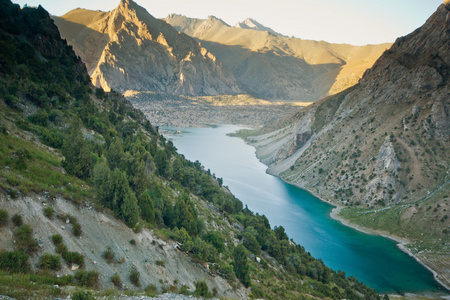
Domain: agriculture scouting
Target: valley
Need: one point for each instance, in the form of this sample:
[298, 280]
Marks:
[119, 178]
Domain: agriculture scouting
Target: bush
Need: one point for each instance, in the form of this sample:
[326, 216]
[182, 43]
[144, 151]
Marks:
[49, 212]
[3, 217]
[151, 290]
[115, 279]
[108, 255]
[17, 220]
[76, 229]
[24, 239]
[11, 101]
[88, 279]
[14, 262]
[73, 257]
[134, 276]
[39, 118]
[57, 239]
[161, 263]
[49, 262]
[201, 289]
[82, 295]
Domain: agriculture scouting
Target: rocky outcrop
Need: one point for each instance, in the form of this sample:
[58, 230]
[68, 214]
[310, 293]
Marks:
[128, 49]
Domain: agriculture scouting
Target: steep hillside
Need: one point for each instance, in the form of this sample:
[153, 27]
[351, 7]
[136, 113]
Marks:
[94, 201]
[276, 67]
[128, 49]
[380, 149]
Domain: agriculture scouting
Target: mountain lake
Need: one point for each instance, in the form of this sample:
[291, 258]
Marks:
[372, 259]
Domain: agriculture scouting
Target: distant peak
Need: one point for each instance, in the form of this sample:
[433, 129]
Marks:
[251, 23]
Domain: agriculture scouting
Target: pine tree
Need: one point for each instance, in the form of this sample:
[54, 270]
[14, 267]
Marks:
[77, 152]
[147, 207]
[101, 178]
[161, 161]
[115, 154]
[178, 170]
[241, 268]
[130, 210]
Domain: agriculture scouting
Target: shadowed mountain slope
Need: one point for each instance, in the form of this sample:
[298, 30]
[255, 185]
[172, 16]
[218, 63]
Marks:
[278, 67]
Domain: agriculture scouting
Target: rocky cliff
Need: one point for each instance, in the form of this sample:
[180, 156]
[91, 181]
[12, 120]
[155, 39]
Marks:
[380, 149]
[272, 66]
[128, 49]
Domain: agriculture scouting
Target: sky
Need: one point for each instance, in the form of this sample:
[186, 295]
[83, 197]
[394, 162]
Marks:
[357, 22]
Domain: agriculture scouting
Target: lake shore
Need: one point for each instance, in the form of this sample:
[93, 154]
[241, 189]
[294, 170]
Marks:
[275, 192]
[401, 242]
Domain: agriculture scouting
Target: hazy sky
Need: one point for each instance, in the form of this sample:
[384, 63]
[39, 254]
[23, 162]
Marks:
[355, 22]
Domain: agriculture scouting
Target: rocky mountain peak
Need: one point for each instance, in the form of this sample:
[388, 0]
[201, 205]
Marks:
[251, 23]
[129, 49]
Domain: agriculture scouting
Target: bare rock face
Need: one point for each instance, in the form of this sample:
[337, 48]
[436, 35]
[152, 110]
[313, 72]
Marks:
[128, 49]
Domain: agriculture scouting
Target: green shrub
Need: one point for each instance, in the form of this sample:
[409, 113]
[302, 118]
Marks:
[151, 290]
[49, 262]
[39, 118]
[76, 229]
[201, 289]
[184, 290]
[82, 295]
[61, 248]
[57, 239]
[14, 262]
[11, 101]
[88, 279]
[17, 220]
[115, 279]
[73, 258]
[49, 212]
[108, 255]
[161, 263]
[24, 239]
[3, 217]
[134, 276]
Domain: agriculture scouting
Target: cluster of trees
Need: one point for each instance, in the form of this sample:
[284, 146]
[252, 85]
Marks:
[132, 168]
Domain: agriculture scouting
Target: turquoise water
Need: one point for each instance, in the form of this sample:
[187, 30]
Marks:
[374, 260]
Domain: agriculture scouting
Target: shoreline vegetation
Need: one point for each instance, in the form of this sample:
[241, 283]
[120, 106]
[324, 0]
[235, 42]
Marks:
[335, 214]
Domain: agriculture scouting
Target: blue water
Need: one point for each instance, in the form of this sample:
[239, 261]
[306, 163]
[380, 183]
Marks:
[374, 260]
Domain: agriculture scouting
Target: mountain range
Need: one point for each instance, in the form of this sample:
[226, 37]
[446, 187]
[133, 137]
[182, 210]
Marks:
[128, 49]
[272, 66]
[379, 150]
